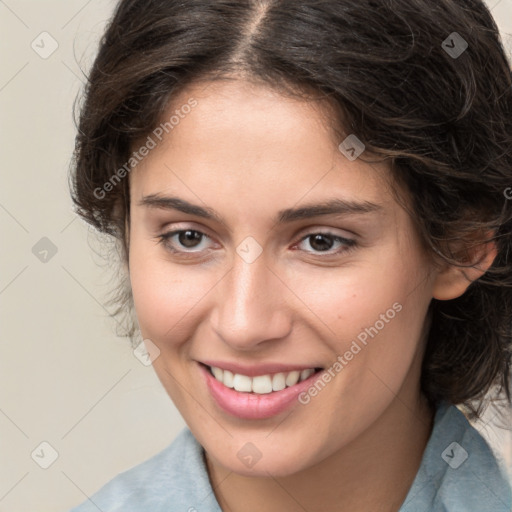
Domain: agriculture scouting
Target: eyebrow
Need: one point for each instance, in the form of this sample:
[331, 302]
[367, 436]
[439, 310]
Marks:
[335, 206]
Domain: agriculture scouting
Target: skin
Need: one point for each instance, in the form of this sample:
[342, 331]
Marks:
[247, 152]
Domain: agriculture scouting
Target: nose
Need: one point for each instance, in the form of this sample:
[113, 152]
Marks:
[250, 306]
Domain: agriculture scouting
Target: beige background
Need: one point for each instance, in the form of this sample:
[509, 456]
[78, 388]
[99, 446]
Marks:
[65, 378]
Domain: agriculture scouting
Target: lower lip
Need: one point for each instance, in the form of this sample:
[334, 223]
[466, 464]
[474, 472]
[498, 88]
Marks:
[253, 406]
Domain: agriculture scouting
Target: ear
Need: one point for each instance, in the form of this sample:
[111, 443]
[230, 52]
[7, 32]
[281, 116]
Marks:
[452, 281]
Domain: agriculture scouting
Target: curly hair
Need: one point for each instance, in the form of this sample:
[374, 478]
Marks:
[425, 84]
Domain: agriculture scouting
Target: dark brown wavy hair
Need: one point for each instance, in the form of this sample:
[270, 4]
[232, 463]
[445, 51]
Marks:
[396, 75]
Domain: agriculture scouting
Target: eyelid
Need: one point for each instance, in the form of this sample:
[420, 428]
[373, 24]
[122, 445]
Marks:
[331, 234]
[196, 226]
[338, 231]
[170, 227]
[327, 230]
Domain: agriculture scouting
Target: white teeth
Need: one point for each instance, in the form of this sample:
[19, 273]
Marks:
[262, 384]
[228, 379]
[292, 378]
[278, 382]
[242, 382]
[304, 374]
[218, 373]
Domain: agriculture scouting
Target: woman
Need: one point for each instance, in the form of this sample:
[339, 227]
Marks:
[311, 202]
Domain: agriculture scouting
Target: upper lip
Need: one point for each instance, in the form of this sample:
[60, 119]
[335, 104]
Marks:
[254, 370]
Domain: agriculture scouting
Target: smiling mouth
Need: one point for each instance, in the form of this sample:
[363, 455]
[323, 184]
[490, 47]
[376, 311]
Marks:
[261, 384]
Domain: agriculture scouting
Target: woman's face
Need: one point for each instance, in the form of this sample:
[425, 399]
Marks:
[291, 256]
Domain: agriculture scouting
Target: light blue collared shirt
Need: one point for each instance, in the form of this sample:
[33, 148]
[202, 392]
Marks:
[458, 473]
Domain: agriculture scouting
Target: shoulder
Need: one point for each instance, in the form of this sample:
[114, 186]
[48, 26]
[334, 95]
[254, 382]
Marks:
[173, 479]
[458, 472]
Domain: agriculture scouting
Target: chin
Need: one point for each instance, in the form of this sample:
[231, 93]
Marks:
[277, 464]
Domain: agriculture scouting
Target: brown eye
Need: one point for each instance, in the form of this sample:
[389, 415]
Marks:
[324, 242]
[189, 238]
[320, 242]
[181, 240]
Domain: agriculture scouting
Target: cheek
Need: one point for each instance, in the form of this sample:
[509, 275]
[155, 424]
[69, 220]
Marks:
[371, 312]
[349, 298]
[164, 294]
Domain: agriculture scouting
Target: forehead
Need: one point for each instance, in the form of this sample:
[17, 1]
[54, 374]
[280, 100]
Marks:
[243, 140]
[247, 117]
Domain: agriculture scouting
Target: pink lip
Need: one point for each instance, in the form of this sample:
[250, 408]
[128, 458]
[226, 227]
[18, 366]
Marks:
[252, 406]
[256, 369]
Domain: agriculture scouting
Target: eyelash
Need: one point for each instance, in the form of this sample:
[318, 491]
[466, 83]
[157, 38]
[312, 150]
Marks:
[349, 244]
